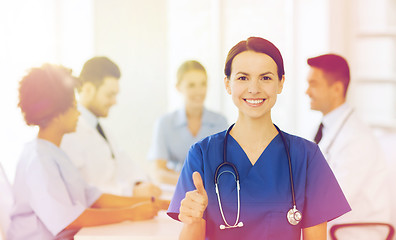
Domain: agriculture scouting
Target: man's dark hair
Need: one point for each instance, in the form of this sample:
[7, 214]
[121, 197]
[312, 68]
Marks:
[335, 68]
[96, 69]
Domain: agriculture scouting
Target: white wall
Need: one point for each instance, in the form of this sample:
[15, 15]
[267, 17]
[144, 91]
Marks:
[32, 33]
[133, 33]
[311, 38]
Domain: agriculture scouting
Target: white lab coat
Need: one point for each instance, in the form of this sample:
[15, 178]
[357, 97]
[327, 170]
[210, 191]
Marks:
[91, 154]
[359, 166]
[387, 140]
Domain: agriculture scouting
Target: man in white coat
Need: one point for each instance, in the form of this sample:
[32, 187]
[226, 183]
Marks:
[92, 148]
[349, 147]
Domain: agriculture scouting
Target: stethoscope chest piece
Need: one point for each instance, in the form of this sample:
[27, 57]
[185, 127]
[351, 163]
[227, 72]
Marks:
[294, 216]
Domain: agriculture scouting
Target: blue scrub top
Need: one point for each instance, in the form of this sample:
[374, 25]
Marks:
[265, 188]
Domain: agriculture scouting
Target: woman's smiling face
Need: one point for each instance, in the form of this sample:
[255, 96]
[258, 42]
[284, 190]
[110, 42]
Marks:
[254, 84]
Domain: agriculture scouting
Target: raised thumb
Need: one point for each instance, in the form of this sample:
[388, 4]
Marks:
[198, 183]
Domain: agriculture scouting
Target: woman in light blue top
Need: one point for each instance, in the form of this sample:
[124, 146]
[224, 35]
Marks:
[52, 201]
[175, 132]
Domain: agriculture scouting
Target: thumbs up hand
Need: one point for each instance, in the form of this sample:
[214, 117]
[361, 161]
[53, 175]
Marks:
[194, 204]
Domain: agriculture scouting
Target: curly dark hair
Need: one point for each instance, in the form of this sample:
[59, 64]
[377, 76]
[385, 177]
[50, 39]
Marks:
[46, 92]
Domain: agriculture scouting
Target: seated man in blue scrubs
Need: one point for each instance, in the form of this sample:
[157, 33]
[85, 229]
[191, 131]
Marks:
[284, 186]
[52, 201]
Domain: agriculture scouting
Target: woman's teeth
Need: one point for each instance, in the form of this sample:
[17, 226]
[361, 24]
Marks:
[254, 101]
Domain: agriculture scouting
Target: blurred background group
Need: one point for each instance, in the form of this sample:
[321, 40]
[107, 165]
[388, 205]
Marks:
[150, 39]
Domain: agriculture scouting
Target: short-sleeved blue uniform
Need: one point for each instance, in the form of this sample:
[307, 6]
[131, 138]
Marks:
[265, 192]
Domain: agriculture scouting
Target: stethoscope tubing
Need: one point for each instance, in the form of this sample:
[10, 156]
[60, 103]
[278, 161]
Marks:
[225, 162]
[293, 212]
[290, 165]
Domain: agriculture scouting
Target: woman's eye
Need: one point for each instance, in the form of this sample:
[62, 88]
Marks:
[243, 78]
[266, 78]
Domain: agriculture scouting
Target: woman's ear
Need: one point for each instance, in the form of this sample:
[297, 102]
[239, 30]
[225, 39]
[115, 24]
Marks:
[280, 86]
[227, 85]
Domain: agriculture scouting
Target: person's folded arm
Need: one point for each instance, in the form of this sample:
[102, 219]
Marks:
[115, 201]
[101, 216]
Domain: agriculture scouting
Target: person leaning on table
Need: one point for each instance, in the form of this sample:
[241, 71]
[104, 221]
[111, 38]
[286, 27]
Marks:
[52, 201]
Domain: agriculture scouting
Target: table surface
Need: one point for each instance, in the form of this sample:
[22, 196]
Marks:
[161, 227]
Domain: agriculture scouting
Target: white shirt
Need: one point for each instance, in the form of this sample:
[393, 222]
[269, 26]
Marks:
[359, 166]
[92, 155]
[49, 194]
[6, 201]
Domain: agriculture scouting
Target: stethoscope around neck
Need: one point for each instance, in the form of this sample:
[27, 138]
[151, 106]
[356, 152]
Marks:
[293, 215]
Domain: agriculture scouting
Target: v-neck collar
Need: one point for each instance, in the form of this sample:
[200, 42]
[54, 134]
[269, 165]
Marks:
[260, 158]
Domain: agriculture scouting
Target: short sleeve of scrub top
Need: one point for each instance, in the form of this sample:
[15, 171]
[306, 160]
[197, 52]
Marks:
[265, 193]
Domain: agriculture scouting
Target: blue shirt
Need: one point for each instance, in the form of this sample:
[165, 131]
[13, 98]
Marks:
[265, 192]
[49, 194]
[172, 138]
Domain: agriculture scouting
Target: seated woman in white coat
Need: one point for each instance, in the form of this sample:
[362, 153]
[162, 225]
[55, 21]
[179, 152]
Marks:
[51, 199]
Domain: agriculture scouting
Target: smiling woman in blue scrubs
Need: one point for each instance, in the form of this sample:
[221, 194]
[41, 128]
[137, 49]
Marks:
[254, 77]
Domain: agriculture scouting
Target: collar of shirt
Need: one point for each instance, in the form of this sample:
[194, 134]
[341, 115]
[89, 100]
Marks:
[332, 123]
[88, 116]
[181, 117]
[330, 120]
[55, 150]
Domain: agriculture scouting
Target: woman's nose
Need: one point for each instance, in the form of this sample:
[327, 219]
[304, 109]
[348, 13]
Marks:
[254, 86]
